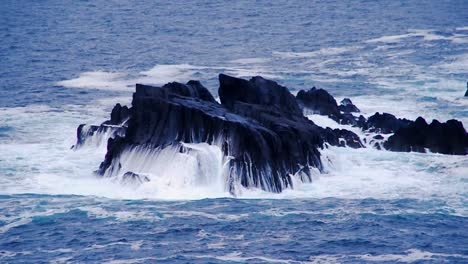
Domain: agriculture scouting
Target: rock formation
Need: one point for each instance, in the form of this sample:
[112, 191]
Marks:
[259, 127]
[447, 138]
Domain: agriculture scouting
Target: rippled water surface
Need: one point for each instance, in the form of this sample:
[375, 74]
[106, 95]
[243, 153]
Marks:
[63, 63]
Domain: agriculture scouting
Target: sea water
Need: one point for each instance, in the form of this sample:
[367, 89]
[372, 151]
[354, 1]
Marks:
[64, 63]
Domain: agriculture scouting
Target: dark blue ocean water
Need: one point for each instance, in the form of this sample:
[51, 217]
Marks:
[63, 63]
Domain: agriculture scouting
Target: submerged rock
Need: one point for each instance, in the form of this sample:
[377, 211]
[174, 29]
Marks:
[447, 138]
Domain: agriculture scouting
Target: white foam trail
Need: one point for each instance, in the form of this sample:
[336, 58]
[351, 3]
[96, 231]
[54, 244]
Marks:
[164, 73]
[99, 80]
[125, 81]
[320, 52]
[250, 61]
[426, 35]
[408, 256]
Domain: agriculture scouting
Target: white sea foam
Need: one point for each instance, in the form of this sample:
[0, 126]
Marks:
[320, 52]
[99, 80]
[462, 28]
[162, 74]
[124, 81]
[409, 256]
[238, 257]
[43, 163]
[250, 61]
[427, 35]
[201, 168]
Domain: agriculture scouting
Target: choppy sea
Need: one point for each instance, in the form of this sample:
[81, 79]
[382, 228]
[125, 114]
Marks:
[64, 62]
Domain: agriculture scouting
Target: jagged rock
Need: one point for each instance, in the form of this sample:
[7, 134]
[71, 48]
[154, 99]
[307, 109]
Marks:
[258, 124]
[256, 91]
[384, 123]
[342, 138]
[259, 127]
[447, 138]
[347, 106]
[319, 101]
[119, 115]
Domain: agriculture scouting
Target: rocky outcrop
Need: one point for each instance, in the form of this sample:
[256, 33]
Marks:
[119, 115]
[258, 125]
[447, 138]
[347, 106]
[384, 123]
[319, 101]
[257, 91]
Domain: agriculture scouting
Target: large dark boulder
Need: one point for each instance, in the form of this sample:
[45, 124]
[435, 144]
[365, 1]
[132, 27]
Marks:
[258, 124]
[384, 123]
[447, 138]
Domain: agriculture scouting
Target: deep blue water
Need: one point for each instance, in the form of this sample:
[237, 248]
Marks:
[216, 230]
[63, 63]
